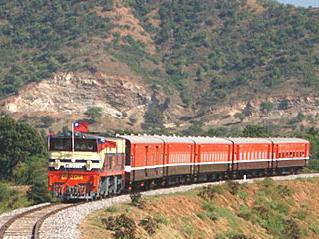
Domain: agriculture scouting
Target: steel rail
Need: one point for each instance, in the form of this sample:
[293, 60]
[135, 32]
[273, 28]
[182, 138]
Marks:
[38, 224]
[35, 228]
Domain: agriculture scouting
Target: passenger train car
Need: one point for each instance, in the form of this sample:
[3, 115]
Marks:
[99, 166]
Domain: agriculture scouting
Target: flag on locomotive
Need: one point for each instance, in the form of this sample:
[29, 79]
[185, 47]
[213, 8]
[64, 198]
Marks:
[84, 165]
[80, 126]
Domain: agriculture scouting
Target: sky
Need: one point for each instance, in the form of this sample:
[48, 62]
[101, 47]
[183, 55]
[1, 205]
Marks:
[302, 3]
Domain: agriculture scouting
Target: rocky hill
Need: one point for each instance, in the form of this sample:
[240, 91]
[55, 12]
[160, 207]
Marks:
[159, 64]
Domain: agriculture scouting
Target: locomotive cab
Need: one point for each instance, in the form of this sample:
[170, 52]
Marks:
[84, 156]
[85, 167]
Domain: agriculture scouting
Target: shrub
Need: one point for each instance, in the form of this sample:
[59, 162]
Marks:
[284, 190]
[210, 211]
[11, 198]
[38, 192]
[137, 200]
[242, 194]
[123, 226]
[153, 118]
[292, 229]
[283, 105]
[111, 209]
[149, 224]
[209, 192]
[248, 110]
[159, 218]
[239, 116]
[314, 164]
[238, 236]
[245, 213]
[262, 211]
[255, 131]
[301, 214]
[268, 182]
[233, 187]
[314, 227]
[94, 113]
[231, 235]
[266, 107]
[188, 227]
[47, 121]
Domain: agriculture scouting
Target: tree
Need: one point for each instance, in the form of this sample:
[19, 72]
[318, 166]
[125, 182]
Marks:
[47, 121]
[248, 110]
[153, 118]
[239, 116]
[19, 141]
[266, 107]
[38, 192]
[255, 131]
[95, 113]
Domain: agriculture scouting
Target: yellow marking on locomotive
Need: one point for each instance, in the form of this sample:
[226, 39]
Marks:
[72, 177]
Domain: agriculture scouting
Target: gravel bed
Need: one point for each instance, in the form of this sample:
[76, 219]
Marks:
[65, 224]
[4, 217]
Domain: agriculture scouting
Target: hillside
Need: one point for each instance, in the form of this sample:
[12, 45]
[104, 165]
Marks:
[265, 209]
[159, 64]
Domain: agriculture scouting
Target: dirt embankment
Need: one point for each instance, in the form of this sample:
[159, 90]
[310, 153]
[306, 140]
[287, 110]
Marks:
[265, 209]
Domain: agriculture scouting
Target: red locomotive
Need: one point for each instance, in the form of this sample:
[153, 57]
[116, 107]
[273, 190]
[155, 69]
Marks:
[100, 166]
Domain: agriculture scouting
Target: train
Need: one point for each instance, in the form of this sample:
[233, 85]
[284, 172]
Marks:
[90, 166]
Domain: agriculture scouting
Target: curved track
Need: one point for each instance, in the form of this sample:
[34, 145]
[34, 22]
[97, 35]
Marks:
[28, 223]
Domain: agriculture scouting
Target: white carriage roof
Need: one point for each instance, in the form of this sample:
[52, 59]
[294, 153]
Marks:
[211, 140]
[160, 139]
[250, 140]
[142, 139]
[288, 140]
[175, 139]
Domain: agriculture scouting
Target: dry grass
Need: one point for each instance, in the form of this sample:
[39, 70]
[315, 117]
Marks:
[190, 216]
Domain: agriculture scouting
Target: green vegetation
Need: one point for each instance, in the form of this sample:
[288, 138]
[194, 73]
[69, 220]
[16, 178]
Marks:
[230, 46]
[23, 161]
[150, 224]
[94, 113]
[19, 143]
[208, 51]
[266, 107]
[39, 38]
[137, 200]
[123, 226]
[11, 198]
[272, 210]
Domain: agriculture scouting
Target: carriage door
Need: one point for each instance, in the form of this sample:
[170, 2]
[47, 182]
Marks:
[146, 160]
[109, 159]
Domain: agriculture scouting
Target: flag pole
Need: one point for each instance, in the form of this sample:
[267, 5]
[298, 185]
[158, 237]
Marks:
[72, 137]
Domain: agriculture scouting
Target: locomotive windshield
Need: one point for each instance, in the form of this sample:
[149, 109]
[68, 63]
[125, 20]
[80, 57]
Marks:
[65, 144]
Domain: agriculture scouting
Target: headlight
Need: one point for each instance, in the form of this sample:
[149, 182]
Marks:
[89, 165]
[57, 164]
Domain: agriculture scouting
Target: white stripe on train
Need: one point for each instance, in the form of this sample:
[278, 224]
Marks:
[129, 168]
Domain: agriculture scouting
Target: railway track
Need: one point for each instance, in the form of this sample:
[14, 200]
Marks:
[28, 224]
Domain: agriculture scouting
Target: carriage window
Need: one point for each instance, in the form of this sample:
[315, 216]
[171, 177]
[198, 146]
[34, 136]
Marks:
[60, 144]
[119, 159]
[88, 145]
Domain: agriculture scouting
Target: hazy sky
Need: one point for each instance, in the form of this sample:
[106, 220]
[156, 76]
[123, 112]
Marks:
[302, 3]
